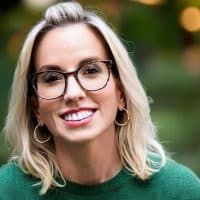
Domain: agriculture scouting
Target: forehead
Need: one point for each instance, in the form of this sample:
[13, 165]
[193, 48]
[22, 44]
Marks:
[70, 44]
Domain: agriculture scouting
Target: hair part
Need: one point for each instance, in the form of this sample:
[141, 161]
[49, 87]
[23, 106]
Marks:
[137, 142]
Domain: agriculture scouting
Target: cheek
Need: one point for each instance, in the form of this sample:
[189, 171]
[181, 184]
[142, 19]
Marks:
[108, 98]
[112, 93]
[46, 108]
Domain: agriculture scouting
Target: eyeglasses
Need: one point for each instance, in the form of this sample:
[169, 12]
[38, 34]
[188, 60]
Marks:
[91, 76]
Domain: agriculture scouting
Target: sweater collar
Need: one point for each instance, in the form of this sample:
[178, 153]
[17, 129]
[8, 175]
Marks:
[113, 184]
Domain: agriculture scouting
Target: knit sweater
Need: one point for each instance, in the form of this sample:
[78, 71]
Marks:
[173, 181]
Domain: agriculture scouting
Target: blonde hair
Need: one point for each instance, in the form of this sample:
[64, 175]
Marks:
[137, 141]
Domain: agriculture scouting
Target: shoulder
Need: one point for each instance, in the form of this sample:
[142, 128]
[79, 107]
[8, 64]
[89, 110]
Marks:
[10, 172]
[174, 171]
[9, 169]
[14, 183]
[178, 180]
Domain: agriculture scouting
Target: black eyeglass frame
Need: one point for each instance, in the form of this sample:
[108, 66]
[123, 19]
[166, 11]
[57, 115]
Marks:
[108, 63]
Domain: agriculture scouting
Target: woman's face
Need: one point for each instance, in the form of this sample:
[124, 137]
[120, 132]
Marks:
[78, 115]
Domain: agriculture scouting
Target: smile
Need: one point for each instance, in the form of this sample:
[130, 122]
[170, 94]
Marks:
[78, 116]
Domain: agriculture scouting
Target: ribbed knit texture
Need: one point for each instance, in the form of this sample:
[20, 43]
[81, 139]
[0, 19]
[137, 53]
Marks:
[173, 181]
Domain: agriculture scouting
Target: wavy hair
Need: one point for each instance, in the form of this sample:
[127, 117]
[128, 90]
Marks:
[137, 141]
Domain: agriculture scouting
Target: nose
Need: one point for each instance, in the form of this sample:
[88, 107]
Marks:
[73, 91]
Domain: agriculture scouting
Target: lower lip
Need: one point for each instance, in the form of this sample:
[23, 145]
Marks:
[83, 122]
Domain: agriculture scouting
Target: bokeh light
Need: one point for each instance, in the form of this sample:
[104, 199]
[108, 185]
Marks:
[191, 59]
[150, 2]
[190, 19]
[38, 4]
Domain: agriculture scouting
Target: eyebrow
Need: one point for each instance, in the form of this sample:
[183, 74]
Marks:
[49, 67]
[60, 68]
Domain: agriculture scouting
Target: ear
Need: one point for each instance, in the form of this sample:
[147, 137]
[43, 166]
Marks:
[121, 103]
[121, 96]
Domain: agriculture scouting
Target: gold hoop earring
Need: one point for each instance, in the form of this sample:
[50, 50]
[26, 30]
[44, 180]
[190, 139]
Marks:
[36, 137]
[124, 123]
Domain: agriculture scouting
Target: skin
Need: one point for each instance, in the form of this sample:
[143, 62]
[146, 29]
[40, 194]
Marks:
[90, 148]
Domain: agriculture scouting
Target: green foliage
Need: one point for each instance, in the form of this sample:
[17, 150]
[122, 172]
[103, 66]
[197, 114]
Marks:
[176, 106]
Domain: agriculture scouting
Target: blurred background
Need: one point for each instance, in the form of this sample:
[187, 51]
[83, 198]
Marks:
[163, 39]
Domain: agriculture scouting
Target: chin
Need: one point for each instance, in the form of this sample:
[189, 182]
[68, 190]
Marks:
[78, 137]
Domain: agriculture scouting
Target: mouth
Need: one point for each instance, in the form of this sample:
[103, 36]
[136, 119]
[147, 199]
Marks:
[78, 115]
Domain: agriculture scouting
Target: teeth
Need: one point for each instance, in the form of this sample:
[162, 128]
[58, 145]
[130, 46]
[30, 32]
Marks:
[78, 116]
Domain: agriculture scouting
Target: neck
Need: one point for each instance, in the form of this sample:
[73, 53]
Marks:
[89, 163]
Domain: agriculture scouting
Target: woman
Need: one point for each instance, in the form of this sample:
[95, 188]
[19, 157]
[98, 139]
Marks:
[79, 120]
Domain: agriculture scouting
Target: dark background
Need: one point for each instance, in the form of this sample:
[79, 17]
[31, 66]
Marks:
[163, 39]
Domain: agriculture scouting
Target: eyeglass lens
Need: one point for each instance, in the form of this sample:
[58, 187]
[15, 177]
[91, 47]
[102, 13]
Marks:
[91, 76]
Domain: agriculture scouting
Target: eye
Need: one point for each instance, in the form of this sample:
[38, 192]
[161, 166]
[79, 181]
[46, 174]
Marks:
[90, 69]
[50, 77]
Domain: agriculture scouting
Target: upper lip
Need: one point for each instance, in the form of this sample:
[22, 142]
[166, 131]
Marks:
[75, 110]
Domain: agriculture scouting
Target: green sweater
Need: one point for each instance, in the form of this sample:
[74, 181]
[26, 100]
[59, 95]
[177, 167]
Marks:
[173, 181]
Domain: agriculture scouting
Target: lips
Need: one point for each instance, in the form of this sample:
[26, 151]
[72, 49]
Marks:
[78, 114]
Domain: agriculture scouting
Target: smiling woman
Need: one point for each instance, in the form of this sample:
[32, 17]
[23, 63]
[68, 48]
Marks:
[84, 130]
